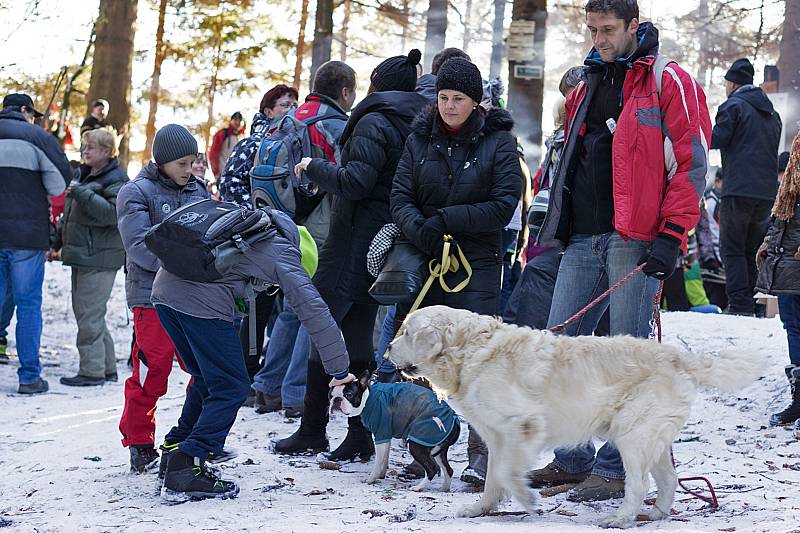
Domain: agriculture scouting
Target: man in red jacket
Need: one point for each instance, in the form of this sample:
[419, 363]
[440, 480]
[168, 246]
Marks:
[223, 142]
[626, 192]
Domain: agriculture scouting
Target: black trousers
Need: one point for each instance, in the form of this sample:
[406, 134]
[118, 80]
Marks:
[264, 304]
[742, 226]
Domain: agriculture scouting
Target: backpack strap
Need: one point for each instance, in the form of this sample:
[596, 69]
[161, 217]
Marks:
[659, 66]
[251, 313]
[317, 118]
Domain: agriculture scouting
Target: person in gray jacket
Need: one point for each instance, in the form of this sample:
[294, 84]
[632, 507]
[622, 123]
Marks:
[162, 186]
[199, 319]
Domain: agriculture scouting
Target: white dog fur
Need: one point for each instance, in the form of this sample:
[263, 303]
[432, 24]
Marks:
[526, 391]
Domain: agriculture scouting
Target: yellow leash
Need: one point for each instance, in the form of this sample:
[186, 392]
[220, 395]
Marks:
[437, 269]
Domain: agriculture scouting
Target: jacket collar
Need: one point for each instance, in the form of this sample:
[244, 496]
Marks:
[326, 100]
[480, 123]
[13, 115]
[152, 172]
[647, 48]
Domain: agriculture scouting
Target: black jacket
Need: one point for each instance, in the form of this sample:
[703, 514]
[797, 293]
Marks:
[747, 133]
[780, 273]
[32, 167]
[372, 143]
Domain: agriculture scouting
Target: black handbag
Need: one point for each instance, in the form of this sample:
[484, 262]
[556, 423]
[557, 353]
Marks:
[403, 274]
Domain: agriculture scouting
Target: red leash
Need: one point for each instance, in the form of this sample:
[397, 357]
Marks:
[712, 500]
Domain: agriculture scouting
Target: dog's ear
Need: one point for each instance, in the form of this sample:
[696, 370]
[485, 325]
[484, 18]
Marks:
[427, 341]
[363, 379]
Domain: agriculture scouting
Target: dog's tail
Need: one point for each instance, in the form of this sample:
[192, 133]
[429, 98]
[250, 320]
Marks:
[729, 371]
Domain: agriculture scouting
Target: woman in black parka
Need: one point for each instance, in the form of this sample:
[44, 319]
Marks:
[360, 183]
[460, 175]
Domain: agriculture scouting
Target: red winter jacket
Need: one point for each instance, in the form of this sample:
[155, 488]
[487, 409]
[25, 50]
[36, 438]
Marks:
[659, 154]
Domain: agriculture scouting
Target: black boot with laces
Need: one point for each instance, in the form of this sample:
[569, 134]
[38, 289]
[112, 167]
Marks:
[143, 458]
[792, 413]
[188, 478]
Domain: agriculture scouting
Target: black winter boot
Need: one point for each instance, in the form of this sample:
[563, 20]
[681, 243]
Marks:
[188, 478]
[357, 445]
[478, 459]
[143, 458]
[301, 442]
[792, 412]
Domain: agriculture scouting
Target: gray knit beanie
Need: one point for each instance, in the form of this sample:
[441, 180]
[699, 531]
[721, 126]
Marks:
[459, 74]
[173, 142]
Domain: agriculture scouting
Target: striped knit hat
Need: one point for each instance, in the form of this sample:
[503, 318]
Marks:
[173, 142]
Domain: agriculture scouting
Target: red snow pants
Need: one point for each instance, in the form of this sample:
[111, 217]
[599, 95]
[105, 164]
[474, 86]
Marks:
[153, 353]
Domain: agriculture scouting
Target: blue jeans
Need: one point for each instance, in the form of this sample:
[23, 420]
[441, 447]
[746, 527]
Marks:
[789, 308]
[592, 263]
[284, 370]
[7, 311]
[24, 270]
[212, 354]
[387, 334]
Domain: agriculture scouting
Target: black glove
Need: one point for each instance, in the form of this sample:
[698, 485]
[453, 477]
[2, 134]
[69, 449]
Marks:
[663, 257]
[431, 235]
[711, 264]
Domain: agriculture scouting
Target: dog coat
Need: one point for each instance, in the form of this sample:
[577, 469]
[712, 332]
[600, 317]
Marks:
[407, 411]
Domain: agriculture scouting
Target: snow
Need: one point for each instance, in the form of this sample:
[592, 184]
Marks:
[62, 467]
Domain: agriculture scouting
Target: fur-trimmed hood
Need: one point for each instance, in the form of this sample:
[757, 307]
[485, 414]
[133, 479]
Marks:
[428, 122]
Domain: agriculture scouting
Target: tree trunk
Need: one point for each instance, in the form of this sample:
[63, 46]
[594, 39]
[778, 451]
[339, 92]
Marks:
[404, 34]
[111, 66]
[497, 38]
[323, 35]
[704, 60]
[789, 68]
[526, 87]
[345, 26]
[301, 46]
[150, 128]
[467, 29]
[435, 30]
[212, 92]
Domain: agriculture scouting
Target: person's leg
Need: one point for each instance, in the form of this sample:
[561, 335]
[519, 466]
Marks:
[293, 389]
[26, 269]
[756, 229]
[279, 353]
[734, 221]
[716, 294]
[264, 304]
[507, 283]
[6, 302]
[91, 291]
[675, 292]
[153, 354]
[7, 309]
[388, 332]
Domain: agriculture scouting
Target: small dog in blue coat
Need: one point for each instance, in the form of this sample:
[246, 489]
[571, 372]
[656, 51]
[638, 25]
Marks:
[402, 411]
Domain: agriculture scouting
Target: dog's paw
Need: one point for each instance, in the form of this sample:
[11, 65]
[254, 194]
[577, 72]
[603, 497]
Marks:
[617, 522]
[471, 511]
[656, 514]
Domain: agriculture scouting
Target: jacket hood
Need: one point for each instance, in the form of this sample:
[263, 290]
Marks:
[399, 107]
[15, 115]
[754, 96]
[426, 86]
[496, 119]
[152, 173]
[260, 124]
[648, 46]
[108, 174]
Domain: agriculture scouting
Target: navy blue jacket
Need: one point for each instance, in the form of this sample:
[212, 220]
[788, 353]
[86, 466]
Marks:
[32, 167]
[747, 133]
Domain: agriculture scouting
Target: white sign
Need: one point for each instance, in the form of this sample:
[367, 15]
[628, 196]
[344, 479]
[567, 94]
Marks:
[528, 72]
[520, 41]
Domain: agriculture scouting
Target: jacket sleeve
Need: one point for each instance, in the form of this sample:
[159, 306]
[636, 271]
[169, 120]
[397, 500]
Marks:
[312, 311]
[705, 241]
[99, 205]
[234, 182]
[496, 212]
[724, 126]
[403, 199]
[366, 156]
[53, 165]
[687, 127]
[214, 151]
[133, 221]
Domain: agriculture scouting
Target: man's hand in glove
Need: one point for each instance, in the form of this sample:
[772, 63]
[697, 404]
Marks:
[711, 264]
[431, 234]
[663, 257]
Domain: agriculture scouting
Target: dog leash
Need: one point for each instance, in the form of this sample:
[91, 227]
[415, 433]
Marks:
[656, 324]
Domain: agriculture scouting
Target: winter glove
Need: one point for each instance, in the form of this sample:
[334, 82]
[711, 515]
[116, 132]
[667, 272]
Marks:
[663, 257]
[712, 264]
[81, 191]
[431, 235]
[761, 254]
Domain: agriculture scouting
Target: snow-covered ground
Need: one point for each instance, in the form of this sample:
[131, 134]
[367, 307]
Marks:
[62, 467]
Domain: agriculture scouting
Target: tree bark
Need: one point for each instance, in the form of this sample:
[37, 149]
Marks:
[301, 45]
[498, 47]
[112, 63]
[789, 68]
[155, 84]
[703, 59]
[212, 92]
[345, 27]
[525, 95]
[404, 34]
[435, 30]
[467, 29]
[323, 35]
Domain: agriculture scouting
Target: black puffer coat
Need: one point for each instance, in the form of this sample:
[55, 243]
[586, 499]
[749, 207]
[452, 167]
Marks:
[780, 273]
[372, 143]
[472, 181]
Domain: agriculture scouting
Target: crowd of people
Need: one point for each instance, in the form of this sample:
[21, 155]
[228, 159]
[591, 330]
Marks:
[432, 157]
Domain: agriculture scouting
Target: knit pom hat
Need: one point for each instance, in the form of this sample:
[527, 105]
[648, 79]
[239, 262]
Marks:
[741, 72]
[398, 73]
[459, 74]
[173, 142]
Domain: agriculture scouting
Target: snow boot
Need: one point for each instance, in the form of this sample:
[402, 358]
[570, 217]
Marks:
[792, 412]
[188, 478]
[597, 488]
[357, 445]
[301, 443]
[143, 459]
[265, 403]
[552, 476]
[478, 459]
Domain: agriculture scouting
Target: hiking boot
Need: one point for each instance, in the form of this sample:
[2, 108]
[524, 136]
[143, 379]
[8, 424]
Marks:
[265, 403]
[597, 488]
[167, 449]
[34, 388]
[301, 443]
[293, 412]
[251, 399]
[357, 445]
[3, 355]
[112, 377]
[225, 455]
[188, 478]
[792, 412]
[81, 381]
[473, 477]
[143, 459]
[477, 460]
[552, 476]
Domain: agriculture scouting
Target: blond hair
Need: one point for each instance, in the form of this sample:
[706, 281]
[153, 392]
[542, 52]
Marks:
[788, 191]
[105, 138]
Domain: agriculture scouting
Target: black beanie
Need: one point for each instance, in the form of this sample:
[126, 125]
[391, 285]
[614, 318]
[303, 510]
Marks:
[459, 74]
[741, 72]
[173, 142]
[398, 73]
